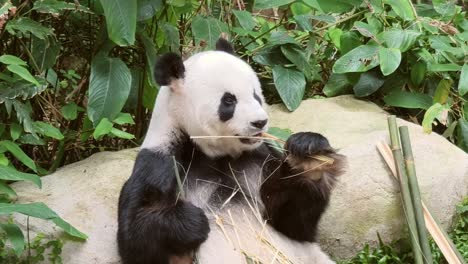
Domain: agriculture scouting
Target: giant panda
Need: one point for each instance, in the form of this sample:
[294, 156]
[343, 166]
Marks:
[242, 200]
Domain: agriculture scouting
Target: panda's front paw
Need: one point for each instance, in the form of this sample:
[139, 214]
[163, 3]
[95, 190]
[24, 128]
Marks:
[305, 144]
[190, 229]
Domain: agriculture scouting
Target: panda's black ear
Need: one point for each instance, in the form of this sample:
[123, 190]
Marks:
[223, 45]
[169, 67]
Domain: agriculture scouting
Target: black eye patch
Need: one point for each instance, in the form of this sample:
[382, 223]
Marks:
[257, 98]
[227, 106]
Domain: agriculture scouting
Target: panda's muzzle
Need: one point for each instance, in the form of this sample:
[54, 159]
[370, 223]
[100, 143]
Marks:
[249, 140]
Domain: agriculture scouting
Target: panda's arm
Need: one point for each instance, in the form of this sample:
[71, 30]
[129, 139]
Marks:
[296, 190]
[153, 223]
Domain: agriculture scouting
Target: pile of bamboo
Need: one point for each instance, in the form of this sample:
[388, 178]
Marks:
[417, 215]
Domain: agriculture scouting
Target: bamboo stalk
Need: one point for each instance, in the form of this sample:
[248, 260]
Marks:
[415, 195]
[405, 192]
[441, 238]
[267, 136]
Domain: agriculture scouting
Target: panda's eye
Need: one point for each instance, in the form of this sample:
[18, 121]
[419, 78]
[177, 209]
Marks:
[229, 100]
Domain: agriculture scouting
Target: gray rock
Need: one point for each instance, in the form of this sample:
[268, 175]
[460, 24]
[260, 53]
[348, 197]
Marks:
[366, 200]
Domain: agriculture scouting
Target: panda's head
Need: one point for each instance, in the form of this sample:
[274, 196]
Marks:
[215, 94]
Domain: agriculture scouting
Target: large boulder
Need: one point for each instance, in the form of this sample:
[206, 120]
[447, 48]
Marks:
[366, 200]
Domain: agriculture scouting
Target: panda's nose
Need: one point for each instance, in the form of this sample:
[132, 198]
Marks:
[259, 123]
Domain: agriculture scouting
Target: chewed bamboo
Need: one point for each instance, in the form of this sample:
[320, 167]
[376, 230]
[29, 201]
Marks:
[415, 194]
[440, 237]
[266, 136]
[405, 192]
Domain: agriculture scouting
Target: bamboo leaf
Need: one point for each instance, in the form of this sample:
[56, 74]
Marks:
[16, 151]
[12, 60]
[10, 174]
[26, 26]
[4, 188]
[121, 134]
[48, 130]
[22, 89]
[42, 211]
[23, 73]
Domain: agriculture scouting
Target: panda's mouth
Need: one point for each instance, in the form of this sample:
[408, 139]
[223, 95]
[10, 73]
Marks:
[250, 140]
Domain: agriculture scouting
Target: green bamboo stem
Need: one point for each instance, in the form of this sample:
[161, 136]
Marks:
[415, 194]
[405, 192]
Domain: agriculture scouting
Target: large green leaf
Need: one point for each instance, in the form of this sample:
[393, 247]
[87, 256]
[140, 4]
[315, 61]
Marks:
[445, 7]
[26, 26]
[108, 89]
[360, 59]
[103, 128]
[442, 91]
[23, 73]
[208, 30]
[10, 174]
[172, 36]
[290, 85]
[24, 90]
[338, 6]
[48, 130]
[408, 100]
[296, 55]
[349, 40]
[418, 73]
[121, 17]
[463, 82]
[270, 56]
[148, 8]
[399, 39]
[150, 52]
[389, 59]
[339, 83]
[16, 151]
[245, 19]
[431, 114]
[403, 8]
[16, 237]
[265, 4]
[42, 211]
[368, 83]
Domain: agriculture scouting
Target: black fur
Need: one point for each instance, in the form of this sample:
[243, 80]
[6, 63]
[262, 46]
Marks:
[168, 67]
[224, 45]
[304, 144]
[256, 97]
[227, 106]
[294, 205]
[153, 225]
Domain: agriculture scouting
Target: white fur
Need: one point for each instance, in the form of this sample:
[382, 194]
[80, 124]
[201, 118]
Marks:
[192, 104]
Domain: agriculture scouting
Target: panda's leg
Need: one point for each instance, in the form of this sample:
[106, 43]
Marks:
[296, 193]
[154, 226]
